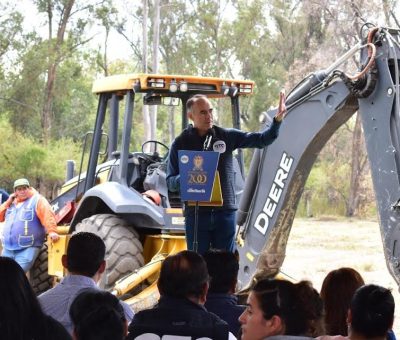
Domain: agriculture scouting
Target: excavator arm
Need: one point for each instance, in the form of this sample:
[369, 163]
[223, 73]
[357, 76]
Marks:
[316, 109]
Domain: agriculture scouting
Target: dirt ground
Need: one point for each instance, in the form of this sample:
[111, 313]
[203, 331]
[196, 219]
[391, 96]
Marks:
[316, 247]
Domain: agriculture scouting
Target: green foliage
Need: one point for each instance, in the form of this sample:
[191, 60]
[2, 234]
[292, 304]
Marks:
[21, 156]
[74, 105]
[275, 43]
[10, 26]
[176, 39]
[26, 91]
[257, 55]
[327, 189]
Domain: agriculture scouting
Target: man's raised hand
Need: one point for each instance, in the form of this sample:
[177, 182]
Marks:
[281, 113]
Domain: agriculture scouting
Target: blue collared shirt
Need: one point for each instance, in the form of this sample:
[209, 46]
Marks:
[57, 301]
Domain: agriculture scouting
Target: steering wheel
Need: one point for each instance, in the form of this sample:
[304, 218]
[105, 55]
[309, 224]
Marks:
[153, 145]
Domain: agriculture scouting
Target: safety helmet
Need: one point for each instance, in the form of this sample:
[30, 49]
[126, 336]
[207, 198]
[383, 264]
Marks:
[21, 182]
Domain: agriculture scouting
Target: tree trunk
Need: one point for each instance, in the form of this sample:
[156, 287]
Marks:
[357, 165]
[156, 44]
[105, 57]
[54, 56]
[145, 108]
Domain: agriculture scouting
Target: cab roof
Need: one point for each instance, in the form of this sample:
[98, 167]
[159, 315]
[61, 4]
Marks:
[172, 85]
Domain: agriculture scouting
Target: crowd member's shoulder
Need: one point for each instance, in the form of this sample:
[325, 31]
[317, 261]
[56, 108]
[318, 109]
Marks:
[56, 330]
[332, 337]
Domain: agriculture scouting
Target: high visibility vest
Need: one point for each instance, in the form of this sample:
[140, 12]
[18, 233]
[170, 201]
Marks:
[22, 227]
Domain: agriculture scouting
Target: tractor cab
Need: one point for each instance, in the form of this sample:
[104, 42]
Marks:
[122, 194]
[120, 129]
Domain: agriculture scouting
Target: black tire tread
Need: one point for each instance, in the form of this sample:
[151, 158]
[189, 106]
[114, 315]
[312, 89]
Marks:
[123, 247]
[38, 275]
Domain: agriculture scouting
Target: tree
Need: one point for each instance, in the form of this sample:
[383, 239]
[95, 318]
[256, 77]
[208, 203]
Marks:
[72, 19]
[212, 38]
[145, 108]
[25, 157]
[10, 28]
[155, 64]
[54, 56]
[256, 56]
[107, 15]
[339, 28]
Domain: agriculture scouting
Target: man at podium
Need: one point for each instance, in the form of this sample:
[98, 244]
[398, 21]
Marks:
[216, 225]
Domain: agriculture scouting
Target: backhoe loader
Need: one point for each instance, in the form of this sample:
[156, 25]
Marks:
[140, 233]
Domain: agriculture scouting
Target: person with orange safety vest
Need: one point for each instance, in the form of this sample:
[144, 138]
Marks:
[27, 216]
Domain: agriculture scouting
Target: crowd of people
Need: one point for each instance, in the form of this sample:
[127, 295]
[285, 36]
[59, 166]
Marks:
[197, 293]
[197, 300]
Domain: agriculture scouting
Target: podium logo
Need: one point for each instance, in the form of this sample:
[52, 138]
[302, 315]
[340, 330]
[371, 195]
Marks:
[184, 159]
[198, 163]
[197, 177]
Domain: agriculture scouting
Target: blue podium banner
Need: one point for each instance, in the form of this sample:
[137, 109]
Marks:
[197, 171]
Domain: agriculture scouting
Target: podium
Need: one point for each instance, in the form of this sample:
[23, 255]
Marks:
[199, 182]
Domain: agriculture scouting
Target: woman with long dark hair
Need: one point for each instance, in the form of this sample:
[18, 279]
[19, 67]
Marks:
[21, 317]
[279, 309]
[337, 291]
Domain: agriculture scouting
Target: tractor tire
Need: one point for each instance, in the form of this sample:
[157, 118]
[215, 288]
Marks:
[38, 275]
[123, 247]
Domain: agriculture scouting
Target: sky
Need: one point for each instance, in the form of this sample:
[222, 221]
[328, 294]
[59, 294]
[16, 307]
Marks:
[118, 47]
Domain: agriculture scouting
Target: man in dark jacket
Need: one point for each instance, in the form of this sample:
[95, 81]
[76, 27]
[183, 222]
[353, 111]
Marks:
[183, 286]
[216, 226]
[223, 268]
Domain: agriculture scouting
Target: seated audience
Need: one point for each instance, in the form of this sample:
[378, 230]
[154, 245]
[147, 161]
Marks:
[98, 315]
[85, 264]
[314, 309]
[223, 268]
[371, 313]
[183, 286]
[21, 317]
[370, 316]
[337, 291]
[279, 309]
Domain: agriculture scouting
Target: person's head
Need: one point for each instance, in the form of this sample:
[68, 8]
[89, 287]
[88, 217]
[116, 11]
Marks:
[184, 275]
[337, 290]
[371, 312]
[313, 309]
[276, 307]
[85, 254]
[200, 111]
[97, 315]
[223, 268]
[20, 314]
[21, 188]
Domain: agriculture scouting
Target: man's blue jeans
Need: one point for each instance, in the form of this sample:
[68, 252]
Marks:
[216, 229]
[25, 257]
